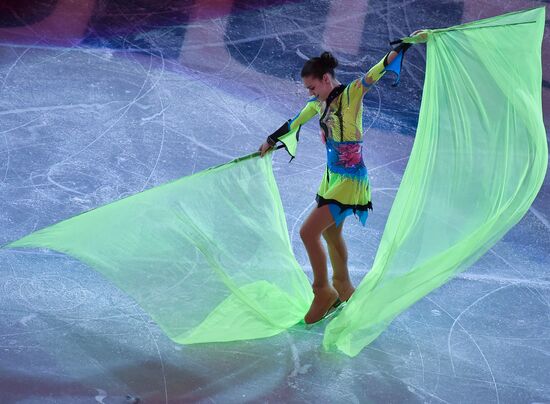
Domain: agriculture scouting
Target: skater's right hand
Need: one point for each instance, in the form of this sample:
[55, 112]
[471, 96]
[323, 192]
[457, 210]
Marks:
[264, 148]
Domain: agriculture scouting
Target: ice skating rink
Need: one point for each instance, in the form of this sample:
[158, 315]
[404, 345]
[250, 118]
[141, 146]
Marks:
[101, 99]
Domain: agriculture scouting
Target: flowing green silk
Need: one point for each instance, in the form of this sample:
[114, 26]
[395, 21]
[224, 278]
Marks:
[208, 256]
[477, 163]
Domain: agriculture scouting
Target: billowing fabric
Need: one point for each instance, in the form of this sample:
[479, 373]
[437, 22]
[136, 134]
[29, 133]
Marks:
[202, 277]
[478, 161]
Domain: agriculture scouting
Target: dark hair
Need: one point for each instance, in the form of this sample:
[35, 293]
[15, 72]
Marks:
[319, 65]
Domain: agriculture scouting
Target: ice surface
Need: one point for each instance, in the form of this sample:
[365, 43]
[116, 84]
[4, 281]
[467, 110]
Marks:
[103, 99]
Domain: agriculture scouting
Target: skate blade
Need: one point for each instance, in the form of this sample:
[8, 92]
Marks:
[333, 311]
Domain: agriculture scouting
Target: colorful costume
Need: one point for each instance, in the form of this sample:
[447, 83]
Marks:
[345, 185]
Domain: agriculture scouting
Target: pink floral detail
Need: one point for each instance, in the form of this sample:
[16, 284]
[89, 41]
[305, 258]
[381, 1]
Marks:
[349, 154]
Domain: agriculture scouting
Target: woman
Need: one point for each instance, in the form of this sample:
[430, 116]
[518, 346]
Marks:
[345, 187]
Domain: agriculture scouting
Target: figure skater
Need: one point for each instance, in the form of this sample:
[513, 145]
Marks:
[345, 187]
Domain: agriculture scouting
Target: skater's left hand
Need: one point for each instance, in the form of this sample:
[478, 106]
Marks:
[421, 32]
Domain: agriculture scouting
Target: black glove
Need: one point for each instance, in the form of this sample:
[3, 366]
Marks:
[402, 47]
[283, 130]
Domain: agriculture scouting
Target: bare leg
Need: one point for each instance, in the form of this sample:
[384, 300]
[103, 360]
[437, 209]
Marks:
[338, 253]
[325, 295]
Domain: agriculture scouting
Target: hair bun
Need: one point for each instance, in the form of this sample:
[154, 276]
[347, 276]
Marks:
[319, 65]
[329, 60]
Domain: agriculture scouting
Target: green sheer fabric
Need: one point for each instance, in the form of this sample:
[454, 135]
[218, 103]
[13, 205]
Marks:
[208, 256]
[477, 163]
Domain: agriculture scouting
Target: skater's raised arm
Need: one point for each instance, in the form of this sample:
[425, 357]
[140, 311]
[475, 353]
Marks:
[392, 61]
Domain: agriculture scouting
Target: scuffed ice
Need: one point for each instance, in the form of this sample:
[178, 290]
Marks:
[103, 99]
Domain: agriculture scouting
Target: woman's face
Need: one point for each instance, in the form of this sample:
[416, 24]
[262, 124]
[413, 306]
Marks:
[318, 88]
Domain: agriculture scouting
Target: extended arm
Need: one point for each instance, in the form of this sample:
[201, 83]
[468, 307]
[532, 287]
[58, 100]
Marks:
[392, 61]
[378, 70]
[302, 117]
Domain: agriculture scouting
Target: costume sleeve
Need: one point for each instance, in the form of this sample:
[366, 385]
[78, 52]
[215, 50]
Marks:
[359, 87]
[308, 112]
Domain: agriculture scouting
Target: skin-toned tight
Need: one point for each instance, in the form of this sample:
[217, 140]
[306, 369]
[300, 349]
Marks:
[321, 223]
